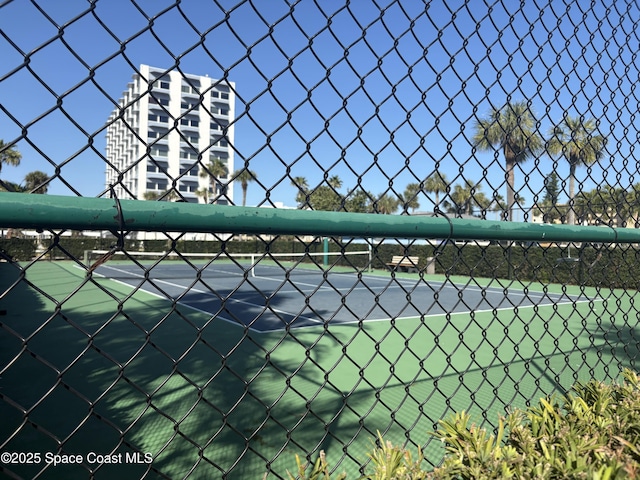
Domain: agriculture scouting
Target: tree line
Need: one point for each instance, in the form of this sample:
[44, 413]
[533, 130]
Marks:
[34, 182]
[614, 206]
[460, 199]
[512, 131]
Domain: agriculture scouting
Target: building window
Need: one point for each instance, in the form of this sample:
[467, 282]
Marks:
[189, 90]
[189, 171]
[219, 156]
[218, 110]
[186, 155]
[159, 151]
[158, 118]
[157, 184]
[157, 167]
[193, 140]
[188, 187]
[162, 82]
[157, 133]
[159, 101]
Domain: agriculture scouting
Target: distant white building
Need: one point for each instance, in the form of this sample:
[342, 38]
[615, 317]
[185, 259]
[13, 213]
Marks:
[167, 129]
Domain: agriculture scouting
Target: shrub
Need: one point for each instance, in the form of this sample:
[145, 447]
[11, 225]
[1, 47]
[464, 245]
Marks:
[17, 249]
[592, 433]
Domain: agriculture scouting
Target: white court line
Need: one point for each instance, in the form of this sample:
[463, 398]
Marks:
[411, 288]
[467, 312]
[435, 286]
[315, 286]
[164, 297]
[208, 293]
[435, 315]
[316, 321]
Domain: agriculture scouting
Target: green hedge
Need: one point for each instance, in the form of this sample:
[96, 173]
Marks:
[18, 249]
[617, 267]
[607, 267]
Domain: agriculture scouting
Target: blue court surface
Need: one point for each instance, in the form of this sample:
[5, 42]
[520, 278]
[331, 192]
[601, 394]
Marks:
[295, 299]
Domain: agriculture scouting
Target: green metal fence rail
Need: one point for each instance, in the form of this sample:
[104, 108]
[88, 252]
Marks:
[58, 212]
[233, 232]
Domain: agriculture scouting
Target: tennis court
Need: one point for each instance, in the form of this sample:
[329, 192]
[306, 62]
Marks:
[297, 291]
[166, 368]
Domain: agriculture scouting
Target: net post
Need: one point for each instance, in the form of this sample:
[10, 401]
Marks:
[325, 251]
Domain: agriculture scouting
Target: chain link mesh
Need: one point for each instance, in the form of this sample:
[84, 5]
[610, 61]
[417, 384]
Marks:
[185, 362]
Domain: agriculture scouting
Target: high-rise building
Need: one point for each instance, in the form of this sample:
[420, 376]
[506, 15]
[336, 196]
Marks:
[171, 137]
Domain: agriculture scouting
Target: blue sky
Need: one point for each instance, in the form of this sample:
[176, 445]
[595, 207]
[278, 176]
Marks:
[378, 92]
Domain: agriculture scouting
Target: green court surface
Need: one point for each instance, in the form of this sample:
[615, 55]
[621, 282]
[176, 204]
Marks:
[97, 367]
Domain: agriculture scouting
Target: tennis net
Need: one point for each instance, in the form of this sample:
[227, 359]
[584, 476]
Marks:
[172, 264]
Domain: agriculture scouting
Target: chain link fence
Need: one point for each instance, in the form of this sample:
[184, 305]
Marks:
[220, 350]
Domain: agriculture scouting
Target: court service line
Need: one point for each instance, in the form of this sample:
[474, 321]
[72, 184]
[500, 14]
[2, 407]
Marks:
[422, 289]
[468, 312]
[435, 287]
[439, 285]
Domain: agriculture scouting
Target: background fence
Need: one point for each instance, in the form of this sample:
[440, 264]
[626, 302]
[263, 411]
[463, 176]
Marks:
[492, 144]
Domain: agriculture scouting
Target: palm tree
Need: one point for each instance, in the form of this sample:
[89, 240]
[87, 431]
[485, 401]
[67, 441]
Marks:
[497, 204]
[465, 197]
[9, 155]
[216, 169]
[513, 130]
[335, 182]
[461, 198]
[36, 182]
[580, 144]
[244, 175]
[202, 193]
[7, 186]
[151, 195]
[410, 196]
[358, 200]
[164, 196]
[549, 206]
[385, 204]
[593, 206]
[303, 189]
[436, 183]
